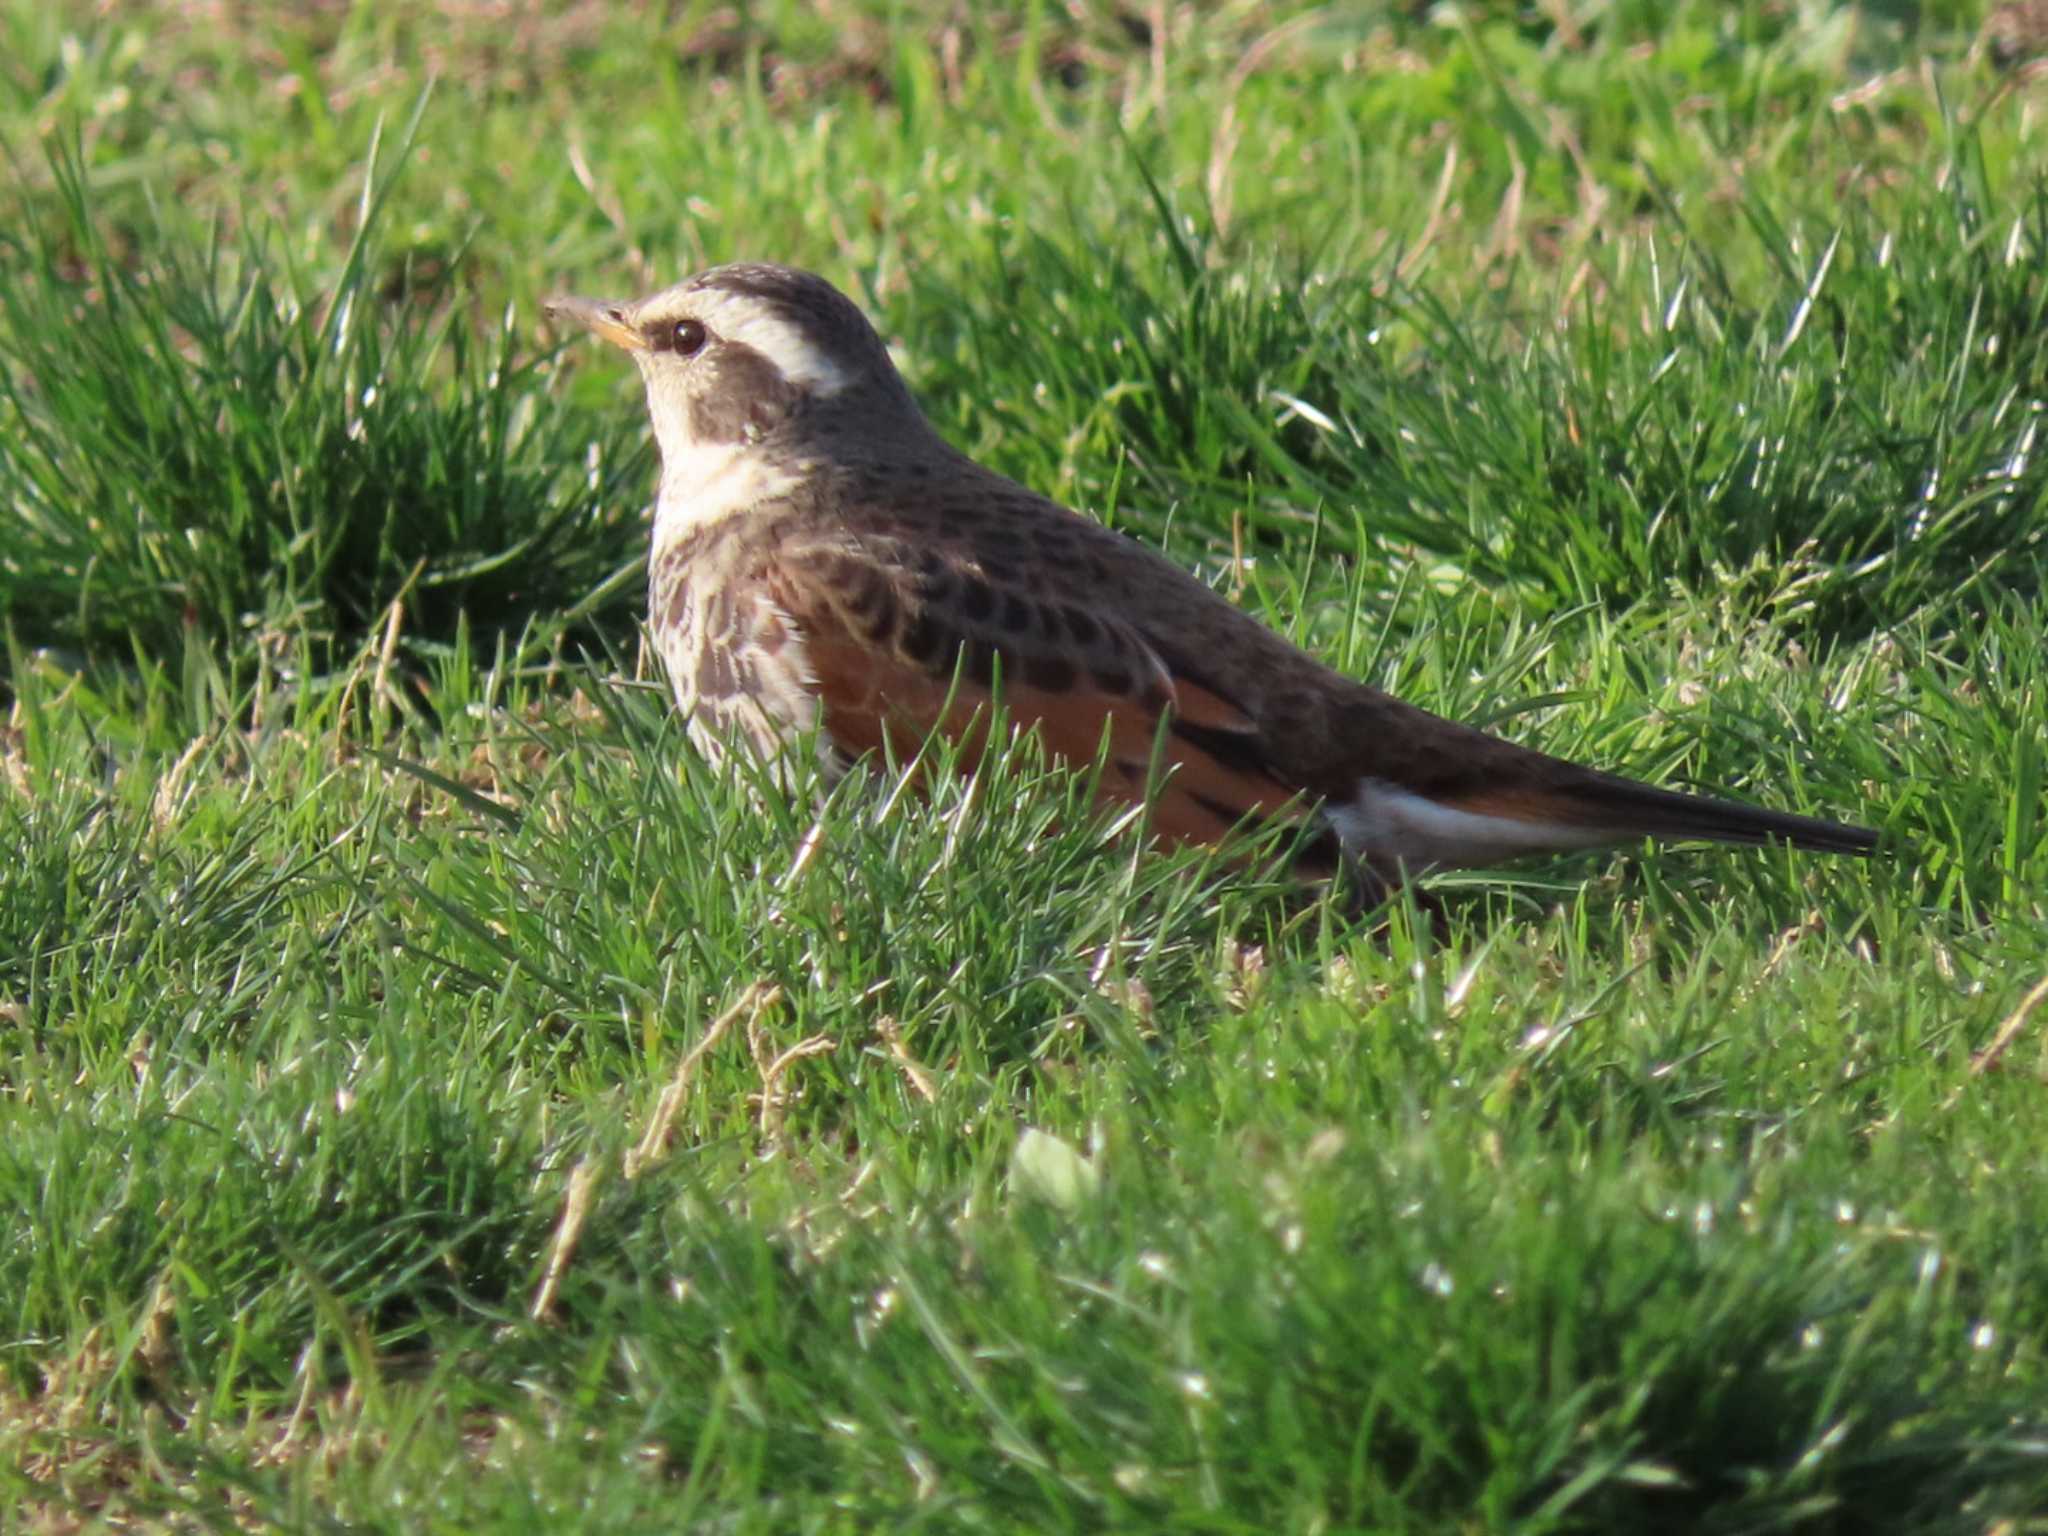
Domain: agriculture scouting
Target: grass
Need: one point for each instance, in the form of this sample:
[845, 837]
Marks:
[1659, 384]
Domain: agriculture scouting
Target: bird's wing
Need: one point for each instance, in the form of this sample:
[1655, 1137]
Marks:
[902, 639]
[907, 631]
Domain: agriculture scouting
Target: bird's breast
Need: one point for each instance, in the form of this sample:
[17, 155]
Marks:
[734, 657]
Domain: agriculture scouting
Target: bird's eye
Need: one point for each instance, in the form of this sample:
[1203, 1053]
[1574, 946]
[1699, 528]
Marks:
[687, 337]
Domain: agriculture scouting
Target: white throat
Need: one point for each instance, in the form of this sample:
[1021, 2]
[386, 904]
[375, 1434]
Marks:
[706, 482]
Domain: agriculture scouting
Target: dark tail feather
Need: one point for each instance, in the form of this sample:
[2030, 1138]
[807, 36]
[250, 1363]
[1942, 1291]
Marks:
[1667, 813]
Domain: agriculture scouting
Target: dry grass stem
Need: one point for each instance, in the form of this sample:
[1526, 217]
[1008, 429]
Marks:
[756, 1000]
[575, 1211]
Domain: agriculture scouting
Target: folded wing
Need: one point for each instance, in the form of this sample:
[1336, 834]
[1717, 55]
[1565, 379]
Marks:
[904, 642]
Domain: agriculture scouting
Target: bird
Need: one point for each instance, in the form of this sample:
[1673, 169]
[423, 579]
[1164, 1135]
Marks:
[825, 567]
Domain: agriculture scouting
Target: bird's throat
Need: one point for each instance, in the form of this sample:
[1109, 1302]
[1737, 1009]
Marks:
[706, 482]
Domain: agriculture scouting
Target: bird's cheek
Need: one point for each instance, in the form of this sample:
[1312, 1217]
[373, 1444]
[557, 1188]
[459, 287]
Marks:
[668, 393]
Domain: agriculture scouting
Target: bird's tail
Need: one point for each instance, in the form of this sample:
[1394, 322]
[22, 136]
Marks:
[1643, 810]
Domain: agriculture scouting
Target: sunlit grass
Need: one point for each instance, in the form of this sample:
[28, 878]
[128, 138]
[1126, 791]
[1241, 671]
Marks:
[1660, 390]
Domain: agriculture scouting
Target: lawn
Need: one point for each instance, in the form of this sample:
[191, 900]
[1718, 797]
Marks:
[432, 1098]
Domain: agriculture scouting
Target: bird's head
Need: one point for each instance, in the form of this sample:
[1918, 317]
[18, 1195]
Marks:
[740, 354]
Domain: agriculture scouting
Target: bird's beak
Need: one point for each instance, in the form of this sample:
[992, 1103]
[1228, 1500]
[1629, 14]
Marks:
[604, 318]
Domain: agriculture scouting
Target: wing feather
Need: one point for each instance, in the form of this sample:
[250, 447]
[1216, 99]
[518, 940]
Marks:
[904, 643]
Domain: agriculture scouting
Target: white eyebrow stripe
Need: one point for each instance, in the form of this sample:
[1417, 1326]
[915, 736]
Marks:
[795, 356]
